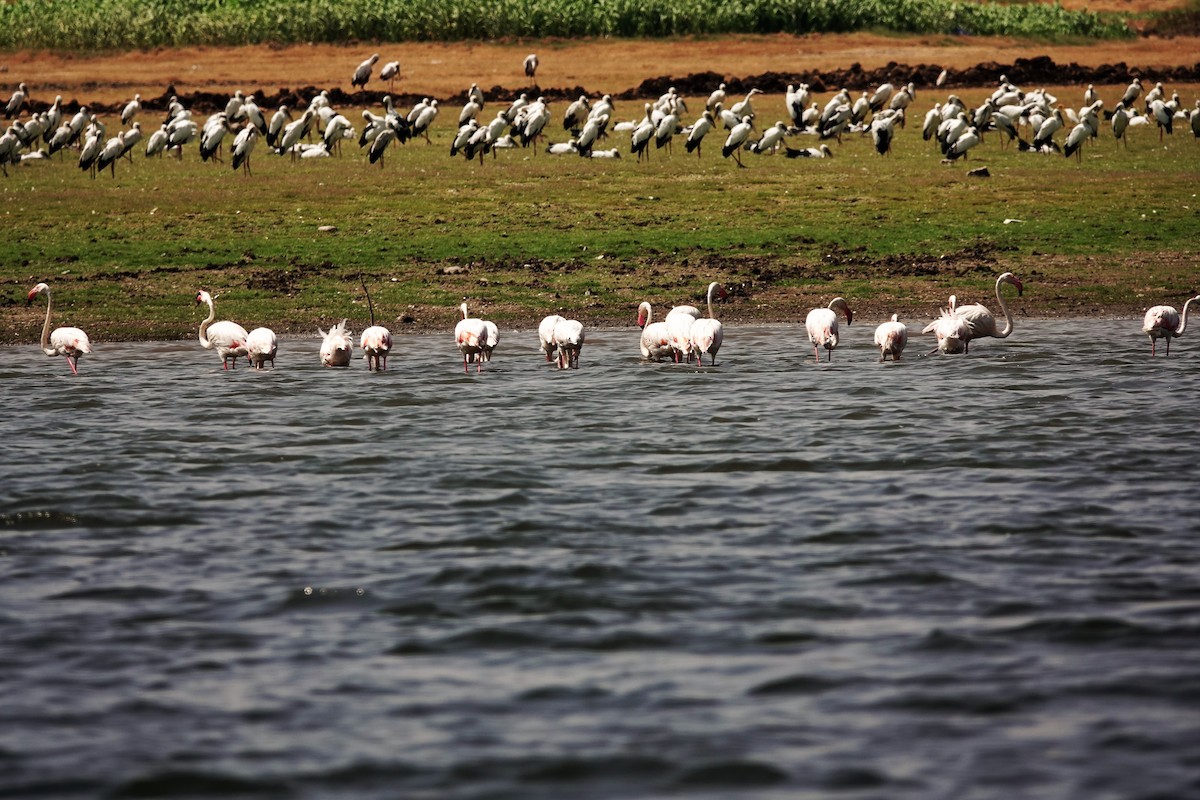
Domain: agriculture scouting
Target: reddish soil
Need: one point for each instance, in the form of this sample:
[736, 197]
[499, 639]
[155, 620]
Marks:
[619, 67]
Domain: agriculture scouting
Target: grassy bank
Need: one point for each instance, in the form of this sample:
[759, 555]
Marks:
[525, 234]
[126, 24]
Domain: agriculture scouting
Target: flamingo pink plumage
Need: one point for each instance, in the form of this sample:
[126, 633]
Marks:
[568, 337]
[890, 338]
[707, 332]
[952, 331]
[654, 341]
[336, 346]
[822, 326]
[228, 338]
[1164, 322]
[376, 342]
[470, 335]
[546, 335]
[261, 346]
[980, 322]
[68, 342]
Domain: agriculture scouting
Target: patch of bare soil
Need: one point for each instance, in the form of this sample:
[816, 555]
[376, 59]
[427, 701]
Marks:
[625, 68]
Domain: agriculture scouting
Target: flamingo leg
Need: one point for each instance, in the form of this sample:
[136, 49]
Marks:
[71, 364]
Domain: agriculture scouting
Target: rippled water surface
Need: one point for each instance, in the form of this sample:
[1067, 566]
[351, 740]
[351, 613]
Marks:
[952, 577]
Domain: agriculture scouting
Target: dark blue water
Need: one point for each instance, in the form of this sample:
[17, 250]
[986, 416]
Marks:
[952, 577]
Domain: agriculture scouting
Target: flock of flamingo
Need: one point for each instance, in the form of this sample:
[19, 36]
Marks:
[682, 335]
[524, 121]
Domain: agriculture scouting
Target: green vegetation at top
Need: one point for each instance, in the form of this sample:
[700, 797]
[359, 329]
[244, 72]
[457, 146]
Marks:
[124, 24]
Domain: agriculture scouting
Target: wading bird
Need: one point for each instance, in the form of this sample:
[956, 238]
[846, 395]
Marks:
[336, 346]
[362, 72]
[568, 337]
[546, 335]
[70, 343]
[228, 338]
[707, 332]
[470, 336]
[1160, 322]
[979, 319]
[655, 342]
[822, 326]
[890, 338]
[261, 346]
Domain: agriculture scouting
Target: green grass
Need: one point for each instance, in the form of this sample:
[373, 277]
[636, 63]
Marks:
[124, 24]
[524, 234]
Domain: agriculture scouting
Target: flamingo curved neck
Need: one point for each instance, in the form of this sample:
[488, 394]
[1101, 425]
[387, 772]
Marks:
[711, 315]
[50, 351]
[212, 314]
[1182, 321]
[1008, 320]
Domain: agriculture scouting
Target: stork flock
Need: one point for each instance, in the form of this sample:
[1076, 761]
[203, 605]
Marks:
[1036, 120]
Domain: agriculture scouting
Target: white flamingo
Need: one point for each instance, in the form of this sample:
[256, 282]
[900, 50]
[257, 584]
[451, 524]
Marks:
[822, 326]
[679, 331]
[261, 346]
[70, 343]
[336, 346]
[1161, 322]
[707, 332]
[952, 332]
[568, 336]
[546, 335]
[228, 338]
[376, 343]
[490, 340]
[470, 335]
[654, 341]
[980, 320]
[890, 338]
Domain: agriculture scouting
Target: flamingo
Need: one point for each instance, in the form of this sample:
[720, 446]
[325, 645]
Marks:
[470, 334]
[1160, 322]
[336, 346]
[655, 342]
[68, 342]
[362, 73]
[890, 338]
[980, 321]
[376, 342]
[952, 331]
[568, 336]
[261, 346]
[546, 334]
[228, 338]
[707, 332]
[822, 326]
[679, 334]
[490, 340]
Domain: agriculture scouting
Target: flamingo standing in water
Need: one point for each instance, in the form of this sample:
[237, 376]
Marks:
[336, 346]
[979, 319]
[655, 341]
[376, 340]
[568, 336]
[952, 331]
[890, 338]
[822, 326]
[261, 346]
[68, 342]
[1161, 322]
[708, 333]
[227, 337]
[470, 334]
[546, 335]
[491, 340]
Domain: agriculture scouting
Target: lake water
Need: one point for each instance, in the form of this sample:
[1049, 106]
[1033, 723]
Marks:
[951, 577]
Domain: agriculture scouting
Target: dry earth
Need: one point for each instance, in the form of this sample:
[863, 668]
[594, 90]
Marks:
[615, 66]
